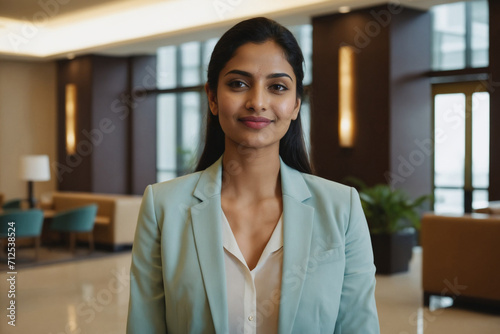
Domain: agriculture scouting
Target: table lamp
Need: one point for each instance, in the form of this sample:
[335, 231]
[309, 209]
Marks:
[34, 168]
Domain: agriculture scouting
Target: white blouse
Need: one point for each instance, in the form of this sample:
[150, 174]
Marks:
[253, 296]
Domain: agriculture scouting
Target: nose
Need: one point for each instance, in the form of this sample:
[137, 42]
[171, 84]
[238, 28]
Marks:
[257, 99]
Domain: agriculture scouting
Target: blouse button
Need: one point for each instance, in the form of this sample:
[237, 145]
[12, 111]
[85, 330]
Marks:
[250, 318]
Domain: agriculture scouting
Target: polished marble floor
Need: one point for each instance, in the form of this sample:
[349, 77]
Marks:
[91, 297]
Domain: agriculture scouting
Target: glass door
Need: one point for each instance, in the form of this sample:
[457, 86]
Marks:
[461, 147]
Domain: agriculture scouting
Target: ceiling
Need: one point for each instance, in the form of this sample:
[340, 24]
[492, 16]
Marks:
[49, 29]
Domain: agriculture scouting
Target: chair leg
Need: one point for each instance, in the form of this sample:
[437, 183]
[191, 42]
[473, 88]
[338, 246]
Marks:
[72, 242]
[37, 248]
[91, 242]
[427, 299]
[55, 237]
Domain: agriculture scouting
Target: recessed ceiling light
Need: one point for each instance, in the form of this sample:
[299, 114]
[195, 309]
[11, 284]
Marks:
[344, 9]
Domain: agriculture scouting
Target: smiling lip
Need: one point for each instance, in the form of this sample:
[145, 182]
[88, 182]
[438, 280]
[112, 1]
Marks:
[255, 122]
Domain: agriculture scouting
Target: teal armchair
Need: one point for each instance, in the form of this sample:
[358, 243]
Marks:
[27, 224]
[78, 220]
[13, 204]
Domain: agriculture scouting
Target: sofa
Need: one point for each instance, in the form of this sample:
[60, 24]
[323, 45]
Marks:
[116, 216]
[461, 256]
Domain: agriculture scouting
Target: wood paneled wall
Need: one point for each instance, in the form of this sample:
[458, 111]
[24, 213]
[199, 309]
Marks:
[116, 125]
[393, 97]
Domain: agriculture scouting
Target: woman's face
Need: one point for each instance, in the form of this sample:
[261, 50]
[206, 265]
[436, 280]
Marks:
[256, 96]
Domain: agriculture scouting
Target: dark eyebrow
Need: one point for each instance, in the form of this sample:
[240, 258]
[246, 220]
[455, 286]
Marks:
[270, 76]
[279, 75]
[243, 73]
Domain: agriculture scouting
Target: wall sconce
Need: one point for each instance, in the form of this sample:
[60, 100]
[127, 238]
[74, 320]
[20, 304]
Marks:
[347, 102]
[70, 119]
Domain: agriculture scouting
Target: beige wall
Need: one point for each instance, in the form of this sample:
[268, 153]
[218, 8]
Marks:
[27, 121]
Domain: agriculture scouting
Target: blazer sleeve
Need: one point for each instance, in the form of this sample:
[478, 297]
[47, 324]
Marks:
[146, 313]
[358, 311]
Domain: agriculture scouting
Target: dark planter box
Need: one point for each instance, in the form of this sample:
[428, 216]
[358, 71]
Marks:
[392, 252]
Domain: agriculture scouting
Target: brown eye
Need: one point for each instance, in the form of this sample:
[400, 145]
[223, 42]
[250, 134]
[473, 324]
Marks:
[278, 88]
[237, 84]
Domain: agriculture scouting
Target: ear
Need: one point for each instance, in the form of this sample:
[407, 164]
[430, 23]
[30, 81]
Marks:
[295, 114]
[212, 100]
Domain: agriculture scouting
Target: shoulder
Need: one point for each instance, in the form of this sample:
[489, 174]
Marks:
[337, 206]
[325, 187]
[331, 197]
[178, 187]
[171, 198]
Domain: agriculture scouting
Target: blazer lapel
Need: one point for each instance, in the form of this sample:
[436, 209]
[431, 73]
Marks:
[297, 234]
[206, 222]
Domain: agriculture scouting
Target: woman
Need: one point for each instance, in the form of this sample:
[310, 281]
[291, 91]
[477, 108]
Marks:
[252, 242]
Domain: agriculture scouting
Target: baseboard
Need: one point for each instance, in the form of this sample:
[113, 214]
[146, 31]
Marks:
[483, 305]
[113, 247]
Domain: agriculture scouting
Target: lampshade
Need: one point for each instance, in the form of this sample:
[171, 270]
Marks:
[35, 168]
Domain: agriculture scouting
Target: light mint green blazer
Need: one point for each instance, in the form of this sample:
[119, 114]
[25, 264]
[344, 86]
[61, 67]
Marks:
[177, 277]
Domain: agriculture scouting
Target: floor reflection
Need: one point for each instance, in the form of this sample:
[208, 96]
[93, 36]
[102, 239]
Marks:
[91, 297]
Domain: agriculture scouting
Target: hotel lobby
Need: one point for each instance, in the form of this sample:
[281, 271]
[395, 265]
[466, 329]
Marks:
[99, 99]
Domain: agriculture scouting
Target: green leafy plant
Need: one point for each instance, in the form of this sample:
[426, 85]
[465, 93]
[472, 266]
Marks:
[388, 210]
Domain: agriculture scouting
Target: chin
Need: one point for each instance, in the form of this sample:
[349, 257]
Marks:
[256, 145]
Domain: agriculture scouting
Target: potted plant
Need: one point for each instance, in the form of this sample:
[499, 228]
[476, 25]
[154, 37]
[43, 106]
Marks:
[393, 220]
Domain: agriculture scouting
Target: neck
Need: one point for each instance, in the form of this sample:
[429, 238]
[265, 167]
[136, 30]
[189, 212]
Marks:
[251, 174]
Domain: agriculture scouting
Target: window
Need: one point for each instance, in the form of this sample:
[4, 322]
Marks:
[461, 147]
[460, 35]
[181, 105]
[182, 102]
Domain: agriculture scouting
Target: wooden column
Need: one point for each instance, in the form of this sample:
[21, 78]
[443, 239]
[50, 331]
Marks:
[494, 90]
[109, 125]
[143, 124]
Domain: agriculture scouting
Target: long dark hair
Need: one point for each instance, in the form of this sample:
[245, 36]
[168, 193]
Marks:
[257, 30]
